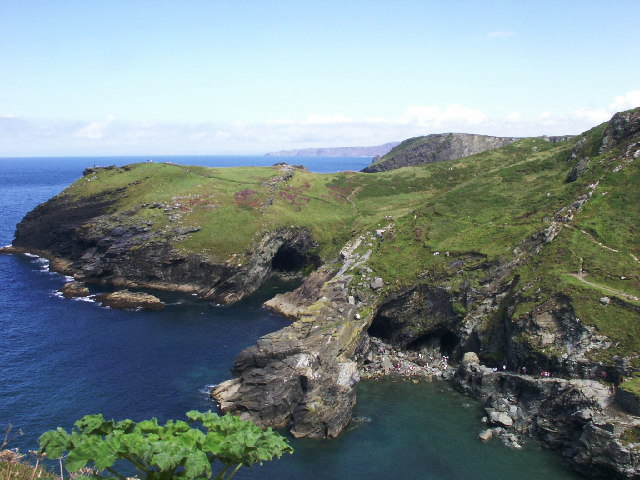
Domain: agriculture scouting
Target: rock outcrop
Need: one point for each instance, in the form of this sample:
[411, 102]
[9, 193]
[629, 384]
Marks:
[303, 377]
[575, 417]
[74, 289]
[84, 238]
[127, 300]
[438, 147]
[621, 127]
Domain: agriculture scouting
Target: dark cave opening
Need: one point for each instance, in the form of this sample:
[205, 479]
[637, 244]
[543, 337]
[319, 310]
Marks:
[381, 328]
[442, 341]
[288, 259]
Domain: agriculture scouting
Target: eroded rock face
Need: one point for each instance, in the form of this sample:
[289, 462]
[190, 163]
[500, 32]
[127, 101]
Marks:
[576, 417]
[551, 338]
[622, 126]
[418, 317]
[303, 376]
[107, 248]
[437, 148]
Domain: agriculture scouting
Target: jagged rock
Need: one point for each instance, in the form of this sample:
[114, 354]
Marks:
[436, 148]
[74, 289]
[578, 170]
[303, 376]
[622, 126]
[486, 435]
[124, 299]
[576, 417]
[98, 248]
[605, 300]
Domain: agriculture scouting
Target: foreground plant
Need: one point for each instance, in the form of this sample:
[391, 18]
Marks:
[163, 452]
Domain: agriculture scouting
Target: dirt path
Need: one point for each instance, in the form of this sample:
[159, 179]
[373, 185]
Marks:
[580, 276]
[590, 237]
[355, 192]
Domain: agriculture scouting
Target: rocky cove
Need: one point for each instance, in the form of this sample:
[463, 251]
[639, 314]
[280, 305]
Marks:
[355, 316]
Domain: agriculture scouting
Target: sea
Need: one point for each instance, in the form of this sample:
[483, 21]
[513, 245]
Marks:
[62, 359]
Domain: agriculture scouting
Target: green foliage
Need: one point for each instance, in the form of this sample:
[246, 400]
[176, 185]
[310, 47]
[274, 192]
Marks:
[632, 385]
[163, 452]
[631, 435]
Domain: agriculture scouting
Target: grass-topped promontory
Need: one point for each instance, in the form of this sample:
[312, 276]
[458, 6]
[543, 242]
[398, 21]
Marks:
[477, 209]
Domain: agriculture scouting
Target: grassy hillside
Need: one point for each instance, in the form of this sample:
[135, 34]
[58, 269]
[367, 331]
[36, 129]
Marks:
[474, 209]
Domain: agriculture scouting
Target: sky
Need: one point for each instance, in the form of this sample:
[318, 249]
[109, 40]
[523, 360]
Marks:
[89, 77]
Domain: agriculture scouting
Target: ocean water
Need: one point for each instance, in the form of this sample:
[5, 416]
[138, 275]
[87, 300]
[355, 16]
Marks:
[61, 359]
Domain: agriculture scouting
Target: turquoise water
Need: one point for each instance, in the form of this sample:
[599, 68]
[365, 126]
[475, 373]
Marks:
[61, 359]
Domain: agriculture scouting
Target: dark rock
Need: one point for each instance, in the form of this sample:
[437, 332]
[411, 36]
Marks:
[436, 148]
[101, 247]
[575, 417]
[578, 170]
[622, 126]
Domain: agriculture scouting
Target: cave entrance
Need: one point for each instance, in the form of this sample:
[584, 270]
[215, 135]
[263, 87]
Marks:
[289, 260]
[443, 342]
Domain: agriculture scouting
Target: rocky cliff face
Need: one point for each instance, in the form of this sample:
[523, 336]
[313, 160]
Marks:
[436, 148]
[579, 418]
[88, 240]
[303, 377]
[441, 147]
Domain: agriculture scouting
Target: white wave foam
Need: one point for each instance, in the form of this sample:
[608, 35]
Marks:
[31, 255]
[89, 299]
[206, 391]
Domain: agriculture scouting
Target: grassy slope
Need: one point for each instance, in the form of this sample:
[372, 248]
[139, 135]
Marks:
[484, 204]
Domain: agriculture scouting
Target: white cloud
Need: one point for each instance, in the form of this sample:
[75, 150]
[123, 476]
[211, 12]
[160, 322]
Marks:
[19, 136]
[625, 102]
[94, 130]
[500, 34]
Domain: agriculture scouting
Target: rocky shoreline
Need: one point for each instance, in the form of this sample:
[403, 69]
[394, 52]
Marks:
[327, 350]
[359, 314]
[583, 420]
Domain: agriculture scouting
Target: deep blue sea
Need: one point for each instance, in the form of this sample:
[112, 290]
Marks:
[61, 359]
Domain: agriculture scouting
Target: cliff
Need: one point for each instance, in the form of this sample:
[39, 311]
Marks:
[526, 255]
[440, 147]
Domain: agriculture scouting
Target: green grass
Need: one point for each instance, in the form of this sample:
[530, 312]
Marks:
[632, 385]
[479, 207]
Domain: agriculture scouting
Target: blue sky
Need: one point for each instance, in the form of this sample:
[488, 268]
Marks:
[218, 77]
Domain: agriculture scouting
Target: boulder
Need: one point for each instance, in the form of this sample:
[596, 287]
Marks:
[74, 289]
[125, 299]
[500, 418]
[470, 357]
[486, 435]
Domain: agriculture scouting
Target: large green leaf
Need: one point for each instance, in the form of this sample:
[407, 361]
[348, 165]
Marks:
[54, 442]
[196, 464]
[169, 452]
